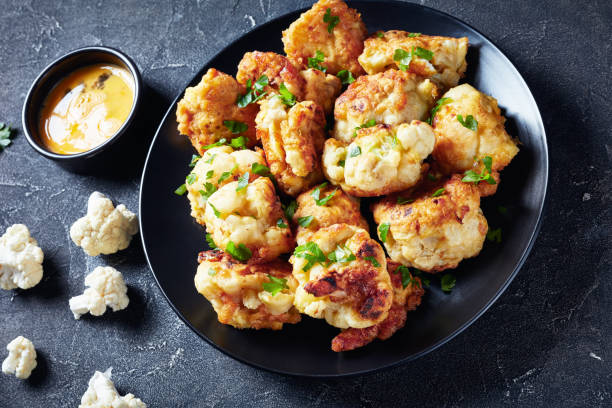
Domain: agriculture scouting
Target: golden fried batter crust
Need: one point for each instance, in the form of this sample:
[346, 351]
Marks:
[321, 88]
[276, 67]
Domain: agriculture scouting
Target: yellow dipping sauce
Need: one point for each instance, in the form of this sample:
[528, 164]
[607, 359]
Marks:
[86, 108]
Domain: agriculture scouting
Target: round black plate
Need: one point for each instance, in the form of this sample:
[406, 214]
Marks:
[172, 239]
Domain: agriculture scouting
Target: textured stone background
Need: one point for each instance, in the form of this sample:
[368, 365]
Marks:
[545, 342]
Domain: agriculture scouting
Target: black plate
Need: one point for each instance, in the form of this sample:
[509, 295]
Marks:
[172, 239]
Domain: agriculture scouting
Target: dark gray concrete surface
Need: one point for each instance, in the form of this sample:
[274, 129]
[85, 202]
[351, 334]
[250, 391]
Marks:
[546, 342]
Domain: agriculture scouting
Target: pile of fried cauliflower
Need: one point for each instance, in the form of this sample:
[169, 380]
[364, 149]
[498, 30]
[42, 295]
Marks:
[339, 117]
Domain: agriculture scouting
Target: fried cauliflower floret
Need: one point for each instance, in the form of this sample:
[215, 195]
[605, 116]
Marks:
[101, 393]
[380, 160]
[310, 33]
[392, 97]
[433, 233]
[341, 209]
[342, 277]
[251, 216]
[20, 259]
[217, 167]
[21, 359]
[204, 108]
[104, 229]
[293, 141]
[457, 147]
[405, 299]
[276, 67]
[238, 292]
[321, 88]
[106, 288]
[447, 64]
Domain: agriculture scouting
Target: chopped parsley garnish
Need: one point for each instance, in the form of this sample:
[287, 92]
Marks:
[287, 97]
[402, 200]
[431, 177]
[383, 230]
[210, 174]
[235, 126]
[404, 271]
[210, 159]
[226, 174]
[280, 223]
[495, 235]
[341, 163]
[254, 92]
[331, 20]
[239, 142]
[404, 58]
[438, 192]
[262, 170]
[412, 35]
[421, 275]
[354, 150]
[212, 272]
[469, 122]
[290, 209]
[243, 181]
[423, 53]
[275, 285]
[217, 212]
[471, 176]
[435, 109]
[373, 261]
[346, 77]
[368, 124]
[341, 254]
[209, 189]
[305, 221]
[210, 242]
[317, 193]
[447, 283]
[311, 252]
[181, 190]
[191, 178]
[239, 252]
[315, 62]
[194, 160]
[218, 143]
[380, 34]
[5, 135]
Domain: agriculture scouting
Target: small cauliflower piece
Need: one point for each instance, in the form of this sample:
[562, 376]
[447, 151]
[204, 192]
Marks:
[105, 229]
[238, 292]
[251, 216]
[432, 233]
[276, 67]
[380, 160]
[101, 393]
[292, 138]
[341, 44]
[321, 88]
[392, 97]
[217, 167]
[20, 259]
[204, 108]
[446, 66]
[21, 359]
[458, 147]
[353, 289]
[106, 288]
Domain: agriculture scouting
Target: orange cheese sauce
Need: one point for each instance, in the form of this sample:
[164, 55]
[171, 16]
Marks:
[86, 108]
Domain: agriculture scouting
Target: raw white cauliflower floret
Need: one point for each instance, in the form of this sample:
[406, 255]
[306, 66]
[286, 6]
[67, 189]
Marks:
[105, 229]
[101, 393]
[20, 259]
[21, 359]
[106, 288]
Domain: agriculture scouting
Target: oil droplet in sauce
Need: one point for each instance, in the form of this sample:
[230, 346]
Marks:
[86, 108]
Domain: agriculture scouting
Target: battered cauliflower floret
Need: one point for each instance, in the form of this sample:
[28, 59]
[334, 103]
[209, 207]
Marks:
[105, 229]
[276, 67]
[21, 359]
[405, 298]
[217, 167]
[392, 97]
[293, 141]
[251, 217]
[321, 88]
[20, 259]
[106, 288]
[204, 108]
[445, 68]
[380, 160]
[312, 32]
[433, 233]
[457, 147]
[341, 209]
[101, 393]
[243, 295]
[342, 277]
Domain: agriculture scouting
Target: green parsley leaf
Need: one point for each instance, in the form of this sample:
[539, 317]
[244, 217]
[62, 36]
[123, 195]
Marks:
[243, 181]
[235, 126]
[287, 97]
[191, 178]
[209, 189]
[262, 170]
[317, 193]
[305, 221]
[217, 212]
[438, 192]
[435, 109]
[383, 230]
[226, 174]
[412, 35]
[341, 254]
[290, 209]
[210, 159]
[406, 275]
[280, 223]
[488, 162]
[494, 235]
[469, 122]
[194, 160]
[210, 242]
[239, 252]
[275, 285]
[402, 200]
[368, 124]
[431, 177]
[181, 190]
[373, 261]
[253, 92]
[212, 272]
[354, 150]
[346, 77]
[239, 142]
[423, 53]
[311, 252]
[210, 174]
[5, 135]
[341, 163]
[315, 62]
[470, 176]
[403, 57]
[380, 34]
[218, 143]
[331, 20]
[448, 282]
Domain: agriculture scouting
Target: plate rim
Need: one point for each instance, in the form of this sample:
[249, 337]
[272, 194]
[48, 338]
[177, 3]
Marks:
[460, 329]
